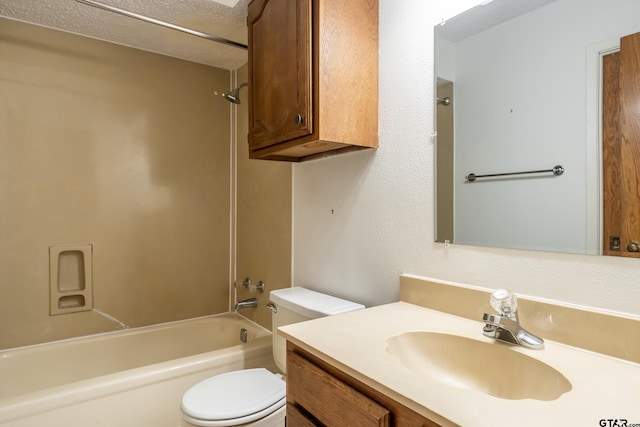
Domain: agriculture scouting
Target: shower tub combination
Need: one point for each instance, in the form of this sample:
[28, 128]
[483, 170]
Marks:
[134, 377]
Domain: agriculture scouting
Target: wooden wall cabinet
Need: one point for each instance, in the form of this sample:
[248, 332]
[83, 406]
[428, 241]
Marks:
[318, 394]
[313, 77]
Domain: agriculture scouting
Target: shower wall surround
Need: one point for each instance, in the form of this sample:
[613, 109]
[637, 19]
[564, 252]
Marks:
[120, 149]
[264, 217]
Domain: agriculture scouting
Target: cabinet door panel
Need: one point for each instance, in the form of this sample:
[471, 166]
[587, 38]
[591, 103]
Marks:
[280, 64]
[621, 149]
[295, 418]
[331, 401]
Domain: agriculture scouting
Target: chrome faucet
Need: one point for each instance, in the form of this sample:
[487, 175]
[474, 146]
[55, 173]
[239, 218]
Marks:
[247, 303]
[505, 326]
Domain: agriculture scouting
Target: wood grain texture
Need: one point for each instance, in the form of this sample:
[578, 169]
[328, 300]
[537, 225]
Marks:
[280, 71]
[630, 139]
[612, 214]
[330, 401]
[339, 87]
[400, 415]
[295, 418]
[348, 71]
[621, 146]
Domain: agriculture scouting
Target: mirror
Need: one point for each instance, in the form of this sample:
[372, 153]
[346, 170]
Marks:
[519, 90]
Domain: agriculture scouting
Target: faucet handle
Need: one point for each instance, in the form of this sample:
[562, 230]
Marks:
[504, 302]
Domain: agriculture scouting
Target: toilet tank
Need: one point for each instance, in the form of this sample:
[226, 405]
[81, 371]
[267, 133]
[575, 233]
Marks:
[297, 305]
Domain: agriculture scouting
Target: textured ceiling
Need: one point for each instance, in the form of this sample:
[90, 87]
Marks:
[209, 16]
[203, 15]
[482, 17]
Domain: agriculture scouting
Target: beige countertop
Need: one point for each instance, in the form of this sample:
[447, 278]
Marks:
[603, 387]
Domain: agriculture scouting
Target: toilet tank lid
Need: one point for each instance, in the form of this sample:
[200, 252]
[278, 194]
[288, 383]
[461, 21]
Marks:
[311, 303]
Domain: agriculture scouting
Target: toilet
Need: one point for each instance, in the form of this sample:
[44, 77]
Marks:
[256, 397]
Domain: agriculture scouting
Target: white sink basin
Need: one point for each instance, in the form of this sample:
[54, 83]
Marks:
[492, 368]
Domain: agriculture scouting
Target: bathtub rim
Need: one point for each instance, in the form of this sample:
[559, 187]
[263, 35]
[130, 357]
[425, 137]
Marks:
[134, 330]
[65, 395]
[62, 396]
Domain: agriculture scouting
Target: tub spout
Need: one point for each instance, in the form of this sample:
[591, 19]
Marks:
[247, 303]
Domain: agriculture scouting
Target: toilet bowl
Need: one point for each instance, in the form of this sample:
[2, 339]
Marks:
[256, 397]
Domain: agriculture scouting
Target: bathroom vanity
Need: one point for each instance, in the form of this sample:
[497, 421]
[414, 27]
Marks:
[383, 364]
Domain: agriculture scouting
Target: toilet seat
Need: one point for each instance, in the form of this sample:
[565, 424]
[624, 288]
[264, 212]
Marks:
[234, 398]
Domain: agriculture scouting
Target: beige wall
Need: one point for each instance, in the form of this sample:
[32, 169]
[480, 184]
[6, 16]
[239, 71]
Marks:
[264, 219]
[444, 161]
[117, 148]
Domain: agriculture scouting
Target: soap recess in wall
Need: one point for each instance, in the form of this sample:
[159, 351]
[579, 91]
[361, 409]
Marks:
[70, 279]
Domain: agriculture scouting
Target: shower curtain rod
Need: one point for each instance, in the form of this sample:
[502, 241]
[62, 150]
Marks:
[145, 18]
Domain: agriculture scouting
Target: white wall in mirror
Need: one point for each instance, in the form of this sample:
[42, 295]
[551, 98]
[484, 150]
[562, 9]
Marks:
[520, 94]
[362, 219]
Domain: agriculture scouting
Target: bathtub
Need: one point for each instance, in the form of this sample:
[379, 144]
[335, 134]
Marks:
[135, 377]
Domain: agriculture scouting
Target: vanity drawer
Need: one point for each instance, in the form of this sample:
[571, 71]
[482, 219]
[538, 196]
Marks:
[295, 418]
[317, 395]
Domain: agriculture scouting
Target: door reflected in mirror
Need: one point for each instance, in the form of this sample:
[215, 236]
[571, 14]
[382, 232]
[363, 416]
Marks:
[525, 87]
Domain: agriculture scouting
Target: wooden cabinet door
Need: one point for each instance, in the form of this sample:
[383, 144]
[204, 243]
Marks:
[621, 149]
[281, 72]
[327, 399]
